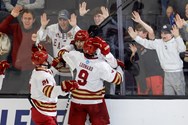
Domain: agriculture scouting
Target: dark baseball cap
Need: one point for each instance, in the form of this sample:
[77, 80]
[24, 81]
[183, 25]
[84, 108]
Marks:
[166, 28]
[64, 14]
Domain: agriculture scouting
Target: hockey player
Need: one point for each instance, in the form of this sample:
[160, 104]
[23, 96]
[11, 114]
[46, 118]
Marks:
[77, 44]
[44, 91]
[91, 72]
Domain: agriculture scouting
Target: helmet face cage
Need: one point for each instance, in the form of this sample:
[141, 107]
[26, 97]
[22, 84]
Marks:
[81, 35]
[89, 48]
[39, 57]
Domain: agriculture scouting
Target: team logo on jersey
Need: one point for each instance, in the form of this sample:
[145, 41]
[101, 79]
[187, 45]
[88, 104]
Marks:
[87, 61]
[58, 35]
[69, 34]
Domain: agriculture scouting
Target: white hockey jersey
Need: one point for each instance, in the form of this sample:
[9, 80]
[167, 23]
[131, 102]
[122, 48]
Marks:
[59, 39]
[90, 75]
[44, 91]
[109, 58]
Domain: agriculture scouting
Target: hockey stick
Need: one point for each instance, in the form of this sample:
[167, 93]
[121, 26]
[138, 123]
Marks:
[69, 98]
[66, 108]
[72, 66]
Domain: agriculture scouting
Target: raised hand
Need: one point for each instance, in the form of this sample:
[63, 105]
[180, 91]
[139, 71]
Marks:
[132, 33]
[105, 12]
[73, 20]
[16, 11]
[133, 48]
[82, 9]
[136, 17]
[175, 31]
[43, 20]
[179, 21]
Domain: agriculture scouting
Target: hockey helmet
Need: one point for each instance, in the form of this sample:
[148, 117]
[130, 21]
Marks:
[39, 57]
[89, 47]
[81, 35]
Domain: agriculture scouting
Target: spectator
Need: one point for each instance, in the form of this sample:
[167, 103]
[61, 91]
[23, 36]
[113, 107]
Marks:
[108, 32]
[164, 4]
[91, 72]
[148, 81]
[99, 14]
[131, 68]
[183, 26]
[168, 18]
[61, 34]
[179, 6]
[21, 49]
[168, 49]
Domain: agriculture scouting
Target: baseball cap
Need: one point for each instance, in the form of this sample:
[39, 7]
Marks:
[64, 14]
[166, 28]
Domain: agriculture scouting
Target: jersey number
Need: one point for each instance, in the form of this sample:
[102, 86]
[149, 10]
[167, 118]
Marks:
[45, 82]
[83, 75]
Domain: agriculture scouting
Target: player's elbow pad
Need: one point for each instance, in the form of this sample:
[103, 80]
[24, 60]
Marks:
[61, 52]
[118, 79]
[47, 90]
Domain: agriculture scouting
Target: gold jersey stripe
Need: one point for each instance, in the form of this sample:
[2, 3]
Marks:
[48, 90]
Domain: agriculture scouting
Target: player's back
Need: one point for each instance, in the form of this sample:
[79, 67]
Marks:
[90, 75]
[39, 79]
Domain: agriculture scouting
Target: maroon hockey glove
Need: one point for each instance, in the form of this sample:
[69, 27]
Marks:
[38, 47]
[58, 63]
[3, 66]
[102, 45]
[69, 85]
[121, 64]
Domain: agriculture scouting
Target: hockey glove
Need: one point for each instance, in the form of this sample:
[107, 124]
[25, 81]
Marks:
[121, 64]
[102, 45]
[3, 66]
[38, 47]
[58, 63]
[69, 85]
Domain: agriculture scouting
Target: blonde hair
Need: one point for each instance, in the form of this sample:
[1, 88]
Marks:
[139, 27]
